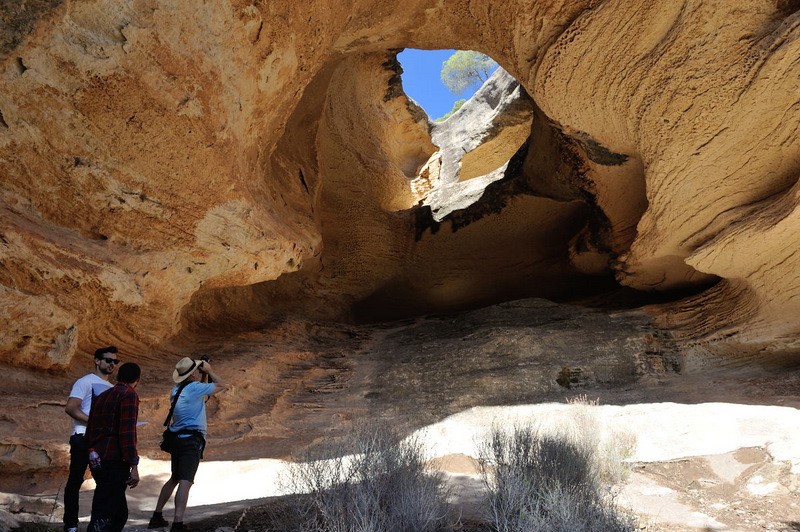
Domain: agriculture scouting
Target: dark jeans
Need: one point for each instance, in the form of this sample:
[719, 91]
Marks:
[78, 461]
[109, 505]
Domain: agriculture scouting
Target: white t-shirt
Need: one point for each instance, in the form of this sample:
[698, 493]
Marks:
[82, 389]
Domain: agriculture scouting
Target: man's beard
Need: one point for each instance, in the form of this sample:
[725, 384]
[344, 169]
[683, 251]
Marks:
[107, 371]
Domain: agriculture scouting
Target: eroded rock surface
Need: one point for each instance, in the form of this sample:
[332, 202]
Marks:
[154, 154]
[171, 173]
[476, 144]
[301, 382]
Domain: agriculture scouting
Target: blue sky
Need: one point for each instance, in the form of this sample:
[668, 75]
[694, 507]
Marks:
[422, 81]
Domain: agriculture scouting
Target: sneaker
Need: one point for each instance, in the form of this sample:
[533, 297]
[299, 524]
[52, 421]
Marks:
[178, 527]
[71, 529]
[158, 521]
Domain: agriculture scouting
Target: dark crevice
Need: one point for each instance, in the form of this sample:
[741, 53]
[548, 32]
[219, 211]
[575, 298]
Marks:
[574, 181]
[121, 30]
[609, 294]
[303, 181]
[787, 7]
[598, 153]
[392, 64]
[21, 68]
[3, 123]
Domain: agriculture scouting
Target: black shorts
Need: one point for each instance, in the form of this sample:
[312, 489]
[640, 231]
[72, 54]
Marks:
[186, 455]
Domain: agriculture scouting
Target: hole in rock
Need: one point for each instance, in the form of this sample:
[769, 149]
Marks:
[440, 81]
[481, 117]
[503, 204]
[21, 68]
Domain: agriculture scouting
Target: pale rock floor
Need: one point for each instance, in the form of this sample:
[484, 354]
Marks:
[696, 467]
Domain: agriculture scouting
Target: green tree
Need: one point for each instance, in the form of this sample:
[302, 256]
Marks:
[456, 106]
[464, 68]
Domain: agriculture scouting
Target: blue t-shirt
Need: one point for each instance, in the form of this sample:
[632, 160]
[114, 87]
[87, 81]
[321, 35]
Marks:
[190, 411]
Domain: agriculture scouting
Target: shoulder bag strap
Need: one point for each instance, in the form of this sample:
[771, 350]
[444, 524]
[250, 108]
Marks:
[175, 401]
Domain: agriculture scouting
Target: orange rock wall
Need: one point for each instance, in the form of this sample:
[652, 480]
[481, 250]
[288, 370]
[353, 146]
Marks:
[163, 164]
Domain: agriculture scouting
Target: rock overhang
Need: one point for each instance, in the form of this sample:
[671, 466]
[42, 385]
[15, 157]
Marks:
[176, 160]
[174, 174]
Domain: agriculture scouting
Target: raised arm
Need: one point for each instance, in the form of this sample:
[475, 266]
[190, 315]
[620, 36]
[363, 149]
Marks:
[219, 385]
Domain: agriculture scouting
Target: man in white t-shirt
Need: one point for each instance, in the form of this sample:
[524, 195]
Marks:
[78, 406]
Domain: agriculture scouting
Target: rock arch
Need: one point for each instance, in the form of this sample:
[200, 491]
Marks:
[160, 161]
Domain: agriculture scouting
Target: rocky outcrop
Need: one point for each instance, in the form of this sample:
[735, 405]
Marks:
[707, 146]
[476, 144]
[174, 172]
[299, 382]
[154, 157]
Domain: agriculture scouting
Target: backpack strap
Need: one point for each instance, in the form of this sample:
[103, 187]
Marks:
[175, 401]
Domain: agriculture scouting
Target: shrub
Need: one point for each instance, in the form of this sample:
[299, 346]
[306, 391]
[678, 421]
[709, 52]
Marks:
[384, 486]
[609, 453]
[456, 106]
[552, 481]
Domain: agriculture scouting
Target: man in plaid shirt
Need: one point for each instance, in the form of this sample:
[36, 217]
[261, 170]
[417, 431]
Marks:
[111, 432]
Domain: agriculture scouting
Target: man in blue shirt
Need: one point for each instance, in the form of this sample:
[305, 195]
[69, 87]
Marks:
[189, 426]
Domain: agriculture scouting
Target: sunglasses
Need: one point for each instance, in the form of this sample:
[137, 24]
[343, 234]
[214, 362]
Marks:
[110, 360]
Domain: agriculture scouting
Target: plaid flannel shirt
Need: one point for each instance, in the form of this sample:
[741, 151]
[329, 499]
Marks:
[111, 430]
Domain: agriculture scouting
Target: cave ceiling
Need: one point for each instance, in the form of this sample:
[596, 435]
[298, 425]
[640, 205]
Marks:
[171, 170]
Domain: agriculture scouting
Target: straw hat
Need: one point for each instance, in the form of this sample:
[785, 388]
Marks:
[185, 367]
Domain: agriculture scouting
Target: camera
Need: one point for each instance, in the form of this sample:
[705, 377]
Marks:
[206, 376]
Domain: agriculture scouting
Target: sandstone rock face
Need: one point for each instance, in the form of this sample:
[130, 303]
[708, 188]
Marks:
[156, 158]
[173, 171]
[477, 143]
[301, 382]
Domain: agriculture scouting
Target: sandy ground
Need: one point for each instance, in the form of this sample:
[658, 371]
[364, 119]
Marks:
[704, 467]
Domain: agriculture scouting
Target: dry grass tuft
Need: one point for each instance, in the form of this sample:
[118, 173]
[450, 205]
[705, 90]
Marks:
[555, 481]
[384, 486]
